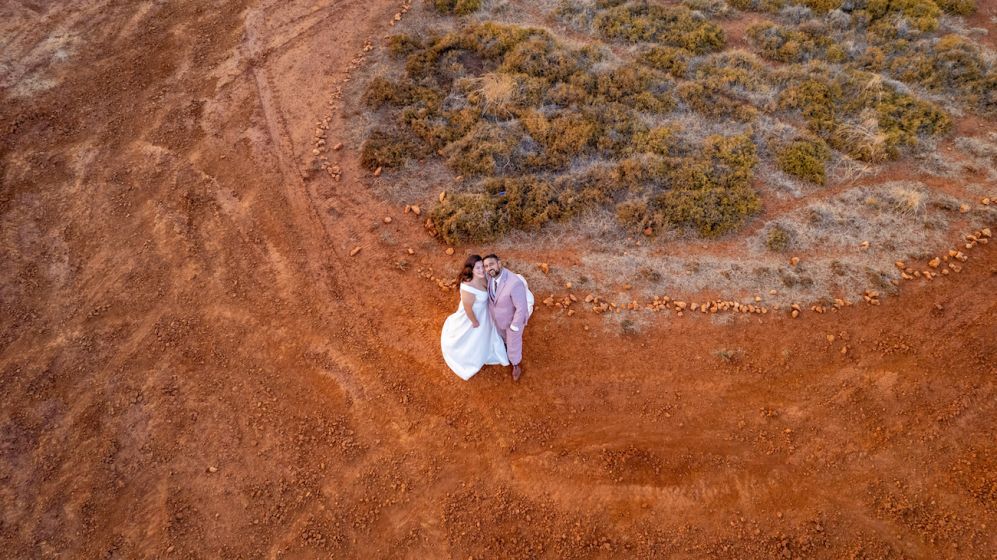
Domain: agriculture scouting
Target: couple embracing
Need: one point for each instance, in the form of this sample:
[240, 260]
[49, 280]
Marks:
[487, 328]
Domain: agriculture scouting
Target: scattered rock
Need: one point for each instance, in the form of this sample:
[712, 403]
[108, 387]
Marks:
[337, 147]
[443, 196]
[963, 208]
[795, 313]
[387, 219]
[567, 285]
[985, 232]
[935, 262]
[900, 264]
[544, 267]
[410, 251]
[212, 469]
[648, 232]
[416, 210]
[450, 250]
[377, 172]
[354, 251]
[864, 245]
[794, 261]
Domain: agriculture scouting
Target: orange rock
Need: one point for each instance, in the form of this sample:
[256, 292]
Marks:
[450, 250]
[355, 251]
[933, 263]
[377, 172]
[794, 261]
[416, 210]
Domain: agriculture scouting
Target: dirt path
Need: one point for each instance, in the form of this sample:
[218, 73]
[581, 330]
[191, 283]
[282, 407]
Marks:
[192, 365]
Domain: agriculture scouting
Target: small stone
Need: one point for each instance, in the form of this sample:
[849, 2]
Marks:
[443, 196]
[571, 312]
[337, 147]
[794, 261]
[449, 250]
[377, 172]
[648, 232]
[758, 299]
[410, 251]
[964, 208]
[900, 264]
[416, 210]
[985, 232]
[212, 469]
[830, 338]
[387, 219]
[544, 267]
[355, 250]
[844, 349]
[864, 245]
[316, 152]
[933, 263]
[567, 285]
[795, 313]
[773, 292]
[407, 209]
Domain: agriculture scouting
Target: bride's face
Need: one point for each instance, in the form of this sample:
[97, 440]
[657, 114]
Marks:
[479, 270]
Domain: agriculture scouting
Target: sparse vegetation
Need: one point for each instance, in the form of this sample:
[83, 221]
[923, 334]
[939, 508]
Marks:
[520, 113]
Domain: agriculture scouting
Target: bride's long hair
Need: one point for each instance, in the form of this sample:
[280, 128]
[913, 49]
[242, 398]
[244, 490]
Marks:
[467, 272]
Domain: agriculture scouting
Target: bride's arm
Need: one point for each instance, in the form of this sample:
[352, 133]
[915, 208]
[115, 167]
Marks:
[467, 300]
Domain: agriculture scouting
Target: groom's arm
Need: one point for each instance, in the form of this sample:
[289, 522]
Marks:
[520, 305]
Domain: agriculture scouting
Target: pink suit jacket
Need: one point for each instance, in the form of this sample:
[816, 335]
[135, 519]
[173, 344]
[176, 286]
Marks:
[510, 306]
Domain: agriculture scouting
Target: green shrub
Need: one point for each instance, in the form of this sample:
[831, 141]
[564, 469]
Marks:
[470, 217]
[667, 59]
[816, 100]
[923, 14]
[564, 137]
[711, 211]
[660, 140]
[821, 6]
[635, 215]
[457, 7]
[482, 149]
[804, 158]
[777, 239]
[385, 92]
[387, 149]
[676, 26]
[957, 7]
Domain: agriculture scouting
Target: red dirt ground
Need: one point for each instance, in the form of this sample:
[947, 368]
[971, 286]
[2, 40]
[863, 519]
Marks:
[192, 365]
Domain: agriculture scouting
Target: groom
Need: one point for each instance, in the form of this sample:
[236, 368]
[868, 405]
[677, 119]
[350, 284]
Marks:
[507, 305]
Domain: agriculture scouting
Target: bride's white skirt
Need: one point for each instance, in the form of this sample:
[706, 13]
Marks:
[465, 348]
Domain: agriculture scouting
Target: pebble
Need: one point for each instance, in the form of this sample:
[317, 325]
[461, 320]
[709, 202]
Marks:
[794, 261]
[387, 219]
[450, 250]
[354, 251]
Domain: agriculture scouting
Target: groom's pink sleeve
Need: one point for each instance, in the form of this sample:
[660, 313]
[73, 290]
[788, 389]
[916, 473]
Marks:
[519, 303]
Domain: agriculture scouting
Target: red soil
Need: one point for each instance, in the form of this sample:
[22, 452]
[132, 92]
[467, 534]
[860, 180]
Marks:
[192, 365]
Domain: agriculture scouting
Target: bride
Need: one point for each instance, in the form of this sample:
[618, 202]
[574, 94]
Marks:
[469, 337]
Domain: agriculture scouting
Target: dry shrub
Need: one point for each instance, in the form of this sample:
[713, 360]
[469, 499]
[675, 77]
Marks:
[389, 149]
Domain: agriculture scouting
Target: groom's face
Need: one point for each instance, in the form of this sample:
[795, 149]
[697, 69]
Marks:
[493, 267]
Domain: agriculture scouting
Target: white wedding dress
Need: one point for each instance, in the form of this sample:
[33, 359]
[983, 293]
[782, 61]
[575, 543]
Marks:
[465, 348]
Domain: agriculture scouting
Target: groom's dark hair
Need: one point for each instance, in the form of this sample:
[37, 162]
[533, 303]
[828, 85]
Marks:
[491, 256]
